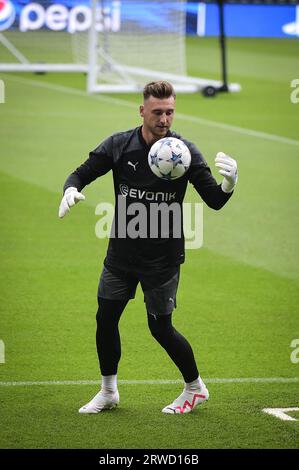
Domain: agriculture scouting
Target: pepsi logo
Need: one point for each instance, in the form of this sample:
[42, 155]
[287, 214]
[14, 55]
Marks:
[7, 14]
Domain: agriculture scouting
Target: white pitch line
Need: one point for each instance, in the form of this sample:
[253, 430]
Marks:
[70, 91]
[183, 117]
[153, 382]
[281, 413]
[240, 130]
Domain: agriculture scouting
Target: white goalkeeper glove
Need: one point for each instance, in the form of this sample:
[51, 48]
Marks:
[70, 198]
[227, 167]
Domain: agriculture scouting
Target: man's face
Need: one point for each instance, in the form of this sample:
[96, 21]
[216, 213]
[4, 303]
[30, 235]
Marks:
[157, 116]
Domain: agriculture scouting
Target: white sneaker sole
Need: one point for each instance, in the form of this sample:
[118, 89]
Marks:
[96, 405]
[84, 410]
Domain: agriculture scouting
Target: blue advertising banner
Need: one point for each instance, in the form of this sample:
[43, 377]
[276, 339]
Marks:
[244, 20]
[202, 19]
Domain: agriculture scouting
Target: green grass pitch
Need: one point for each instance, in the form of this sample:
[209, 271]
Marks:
[238, 298]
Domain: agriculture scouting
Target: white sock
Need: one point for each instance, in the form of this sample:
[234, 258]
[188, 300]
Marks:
[109, 383]
[195, 385]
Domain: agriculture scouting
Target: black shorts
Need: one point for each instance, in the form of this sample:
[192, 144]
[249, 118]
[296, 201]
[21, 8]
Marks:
[159, 288]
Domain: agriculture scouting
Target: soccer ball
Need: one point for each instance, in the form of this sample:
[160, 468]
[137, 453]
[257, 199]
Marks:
[169, 158]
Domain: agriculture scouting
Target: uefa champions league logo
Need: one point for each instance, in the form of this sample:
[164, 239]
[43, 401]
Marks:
[7, 14]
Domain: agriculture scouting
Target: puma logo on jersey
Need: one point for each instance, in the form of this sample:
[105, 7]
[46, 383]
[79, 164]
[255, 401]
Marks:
[133, 164]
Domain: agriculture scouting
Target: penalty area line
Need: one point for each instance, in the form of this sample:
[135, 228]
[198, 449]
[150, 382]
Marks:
[152, 382]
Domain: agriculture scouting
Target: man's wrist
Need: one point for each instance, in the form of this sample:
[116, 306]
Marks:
[227, 187]
[69, 189]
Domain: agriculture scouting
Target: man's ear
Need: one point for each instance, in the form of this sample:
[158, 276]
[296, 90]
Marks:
[141, 109]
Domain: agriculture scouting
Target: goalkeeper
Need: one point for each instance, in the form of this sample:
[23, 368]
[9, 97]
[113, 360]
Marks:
[154, 262]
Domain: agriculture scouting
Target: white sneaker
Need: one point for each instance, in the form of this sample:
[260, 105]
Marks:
[187, 401]
[102, 401]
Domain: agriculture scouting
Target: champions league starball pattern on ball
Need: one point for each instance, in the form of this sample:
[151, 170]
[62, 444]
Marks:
[169, 158]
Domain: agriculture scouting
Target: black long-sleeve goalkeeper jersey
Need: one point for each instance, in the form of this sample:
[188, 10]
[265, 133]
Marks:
[126, 154]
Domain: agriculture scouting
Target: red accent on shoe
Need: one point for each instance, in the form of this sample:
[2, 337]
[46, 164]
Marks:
[187, 403]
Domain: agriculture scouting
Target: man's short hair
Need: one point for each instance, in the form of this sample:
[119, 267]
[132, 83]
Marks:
[159, 89]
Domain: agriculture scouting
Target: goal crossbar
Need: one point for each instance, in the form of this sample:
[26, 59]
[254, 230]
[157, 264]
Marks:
[183, 84]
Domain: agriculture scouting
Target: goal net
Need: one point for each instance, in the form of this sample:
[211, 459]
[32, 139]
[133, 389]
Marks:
[149, 40]
[148, 43]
